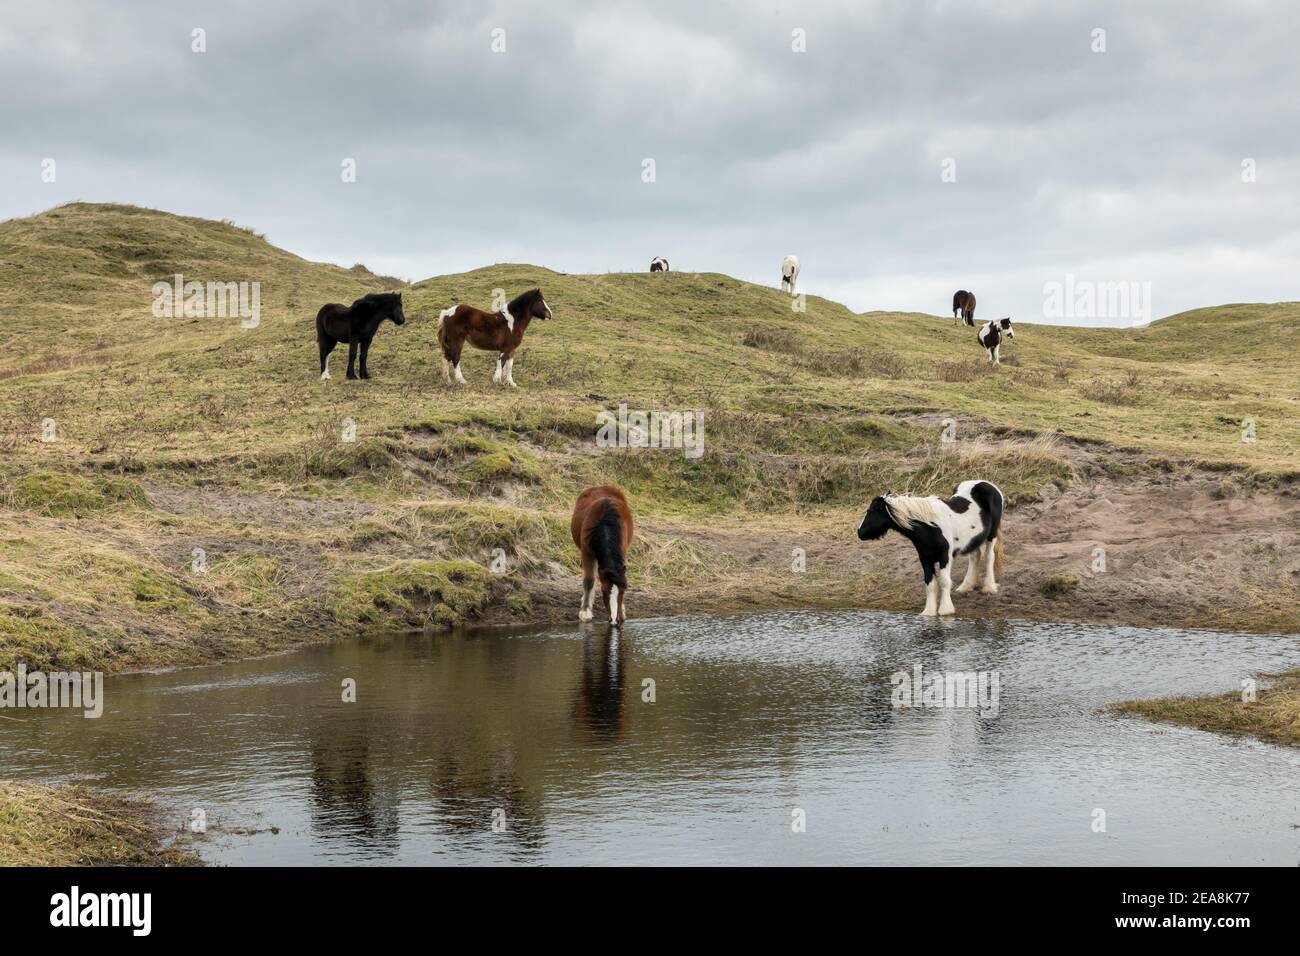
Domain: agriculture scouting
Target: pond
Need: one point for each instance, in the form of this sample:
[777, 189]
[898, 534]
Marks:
[752, 739]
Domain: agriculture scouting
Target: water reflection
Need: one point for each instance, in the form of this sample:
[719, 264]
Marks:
[541, 747]
[600, 710]
[346, 803]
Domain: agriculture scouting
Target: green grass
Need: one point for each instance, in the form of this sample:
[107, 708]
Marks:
[62, 495]
[806, 416]
[414, 594]
[1273, 715]
[1058, 584]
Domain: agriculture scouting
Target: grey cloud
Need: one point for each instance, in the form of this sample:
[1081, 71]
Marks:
[1115, 166]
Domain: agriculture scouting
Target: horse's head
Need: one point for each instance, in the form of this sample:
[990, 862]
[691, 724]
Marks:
[395, 312]
[876, 521]
[1005, 325]
[529, 305]
[540, 310]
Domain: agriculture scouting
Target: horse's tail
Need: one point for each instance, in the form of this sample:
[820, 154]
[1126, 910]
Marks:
[606, 543]
[442, 317]
[321, 313]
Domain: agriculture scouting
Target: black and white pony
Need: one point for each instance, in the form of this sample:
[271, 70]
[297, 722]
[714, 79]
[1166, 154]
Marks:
[355, 324]
[970, 522]
[992, 334]
[659, 264]
[789, 273]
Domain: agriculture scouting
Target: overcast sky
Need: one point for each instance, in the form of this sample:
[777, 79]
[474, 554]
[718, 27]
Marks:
[1117, 166]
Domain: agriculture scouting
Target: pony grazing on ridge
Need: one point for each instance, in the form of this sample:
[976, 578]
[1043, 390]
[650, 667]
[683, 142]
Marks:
[602, 530]
[789, 273]
[970, 522]
[355, 324]
[499, 332]
[963, 306]
[659, 264]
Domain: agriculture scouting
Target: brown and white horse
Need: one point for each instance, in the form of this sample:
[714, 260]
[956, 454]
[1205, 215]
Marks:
[499, 332]
[602, 530]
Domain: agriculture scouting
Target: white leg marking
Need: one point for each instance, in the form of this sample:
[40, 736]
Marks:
[510, 372]
[931, 598]
[326, 374]
[588, 596]
[496, 376]
[446, 370]
[945, 591]
[990, 585]
[460, 379]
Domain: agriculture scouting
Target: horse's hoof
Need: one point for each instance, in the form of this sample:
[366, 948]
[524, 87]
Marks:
[992, 589]
[947, 613]
[584, 615]
[963, 589]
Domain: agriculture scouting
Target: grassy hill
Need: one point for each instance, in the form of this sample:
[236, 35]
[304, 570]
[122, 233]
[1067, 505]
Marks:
[178, 434]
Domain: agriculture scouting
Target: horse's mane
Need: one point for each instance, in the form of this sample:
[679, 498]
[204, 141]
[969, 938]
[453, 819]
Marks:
[374, 301]
[524, 299]
[909, 510]
[607, 544]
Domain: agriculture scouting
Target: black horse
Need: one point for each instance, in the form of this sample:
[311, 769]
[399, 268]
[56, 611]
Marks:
[355, 324]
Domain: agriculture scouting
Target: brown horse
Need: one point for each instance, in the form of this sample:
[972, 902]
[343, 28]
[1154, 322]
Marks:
[602, 530]
[499, 332]
[963, 306]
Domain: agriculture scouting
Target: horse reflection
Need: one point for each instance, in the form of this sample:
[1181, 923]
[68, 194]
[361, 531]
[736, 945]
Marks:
[600, 704]
[346, 803]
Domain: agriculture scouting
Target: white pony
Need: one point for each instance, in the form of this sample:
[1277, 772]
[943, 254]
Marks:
[789, 272]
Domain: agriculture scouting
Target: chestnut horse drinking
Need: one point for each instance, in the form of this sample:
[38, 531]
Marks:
[602, 530]
[499, 332]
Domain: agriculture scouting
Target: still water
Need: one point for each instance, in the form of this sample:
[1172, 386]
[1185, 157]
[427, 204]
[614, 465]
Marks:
[547, 734]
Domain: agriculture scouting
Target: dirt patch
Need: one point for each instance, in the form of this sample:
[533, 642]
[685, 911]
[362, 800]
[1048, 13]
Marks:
[238, 507]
